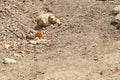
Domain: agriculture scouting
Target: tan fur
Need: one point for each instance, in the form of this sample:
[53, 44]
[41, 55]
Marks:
[47, 19]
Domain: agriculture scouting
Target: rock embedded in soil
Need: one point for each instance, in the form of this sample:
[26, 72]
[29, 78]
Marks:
[9, 61]
[33, 42]
[7, 46]
[17, 55]
[40, 41]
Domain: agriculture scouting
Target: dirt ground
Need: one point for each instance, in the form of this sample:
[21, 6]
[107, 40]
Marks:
[85, 47]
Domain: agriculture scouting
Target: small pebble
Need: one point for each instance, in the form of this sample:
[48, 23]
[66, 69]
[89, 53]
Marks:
[17, 55]
[9, 61]
[33, 42]
[7, 46]
[23, 52]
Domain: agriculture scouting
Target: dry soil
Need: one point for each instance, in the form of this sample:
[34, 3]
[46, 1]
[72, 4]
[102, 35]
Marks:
[85, 47]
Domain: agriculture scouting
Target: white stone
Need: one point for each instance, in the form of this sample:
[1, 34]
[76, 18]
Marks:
[9, 61]
[33, 42]
[17, 55]
[23, 52]
[7, 46]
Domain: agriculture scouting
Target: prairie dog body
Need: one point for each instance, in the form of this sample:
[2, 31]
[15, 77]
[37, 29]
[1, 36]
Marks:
[47, 19]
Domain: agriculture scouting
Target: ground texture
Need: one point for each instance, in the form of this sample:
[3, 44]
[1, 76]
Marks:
[85, 47]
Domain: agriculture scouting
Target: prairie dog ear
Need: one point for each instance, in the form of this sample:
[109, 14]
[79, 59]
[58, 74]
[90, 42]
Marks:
[52, 19]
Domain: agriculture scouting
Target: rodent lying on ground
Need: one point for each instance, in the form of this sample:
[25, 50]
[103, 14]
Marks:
[47, 19]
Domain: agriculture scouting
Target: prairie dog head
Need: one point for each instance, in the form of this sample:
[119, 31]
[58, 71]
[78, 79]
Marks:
[52, 19]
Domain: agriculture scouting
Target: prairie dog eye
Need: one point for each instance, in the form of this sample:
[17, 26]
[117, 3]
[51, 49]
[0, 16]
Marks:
[52, 19]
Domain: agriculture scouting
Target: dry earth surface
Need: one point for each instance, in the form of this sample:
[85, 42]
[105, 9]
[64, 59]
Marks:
[85, 47]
